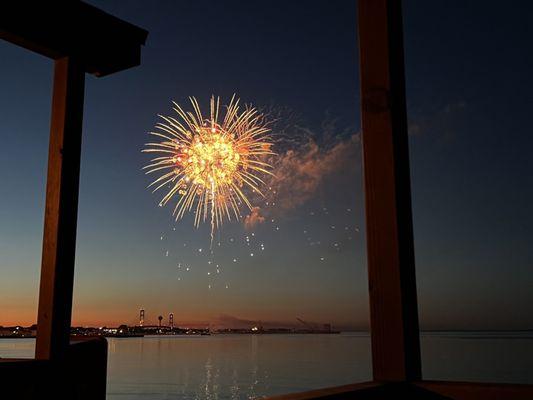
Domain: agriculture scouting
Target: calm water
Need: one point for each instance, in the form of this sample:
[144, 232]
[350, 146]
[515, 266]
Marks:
[246, 366]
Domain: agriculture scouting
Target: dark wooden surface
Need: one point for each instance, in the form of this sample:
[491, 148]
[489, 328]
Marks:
[81, 375]
[481, 391]
[102, 43]
[423, 390]
[391, 270]
[61, 210]
[327, 392]
[367, 391]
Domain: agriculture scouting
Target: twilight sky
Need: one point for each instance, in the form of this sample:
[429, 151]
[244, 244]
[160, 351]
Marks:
[469, 94]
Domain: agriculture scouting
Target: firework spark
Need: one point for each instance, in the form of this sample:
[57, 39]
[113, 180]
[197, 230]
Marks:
[210, 165]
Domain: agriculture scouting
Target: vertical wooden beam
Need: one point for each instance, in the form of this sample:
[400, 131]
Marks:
[391, 269]
[59, 241]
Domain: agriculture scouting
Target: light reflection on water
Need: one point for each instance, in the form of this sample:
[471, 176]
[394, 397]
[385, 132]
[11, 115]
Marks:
[233, 366]
[221, 367]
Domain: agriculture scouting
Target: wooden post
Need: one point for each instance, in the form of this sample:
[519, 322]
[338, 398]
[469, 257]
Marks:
[59, 241]
[391, 270]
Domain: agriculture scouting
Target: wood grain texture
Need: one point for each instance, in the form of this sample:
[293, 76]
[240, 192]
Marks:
[60, 219]
[391, 272]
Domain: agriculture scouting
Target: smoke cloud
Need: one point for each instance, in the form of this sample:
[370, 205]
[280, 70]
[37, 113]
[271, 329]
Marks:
[300, 171]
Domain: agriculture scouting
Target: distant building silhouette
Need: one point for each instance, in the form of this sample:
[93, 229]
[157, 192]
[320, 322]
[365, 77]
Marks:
[141, 317]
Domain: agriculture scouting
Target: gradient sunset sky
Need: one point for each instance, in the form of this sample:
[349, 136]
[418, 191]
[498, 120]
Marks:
[469, 95]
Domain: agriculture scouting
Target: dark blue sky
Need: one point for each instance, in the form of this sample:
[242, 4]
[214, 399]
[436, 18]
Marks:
[469, 100]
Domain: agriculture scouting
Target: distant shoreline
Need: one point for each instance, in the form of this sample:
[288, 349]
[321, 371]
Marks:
[451, 334]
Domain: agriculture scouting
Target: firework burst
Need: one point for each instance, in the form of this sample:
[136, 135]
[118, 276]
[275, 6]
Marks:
[207, 165]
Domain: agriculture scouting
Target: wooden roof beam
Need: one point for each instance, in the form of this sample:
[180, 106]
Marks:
[102, 43]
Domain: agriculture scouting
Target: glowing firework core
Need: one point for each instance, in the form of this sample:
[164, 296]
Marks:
[212, 159]
[207, 164]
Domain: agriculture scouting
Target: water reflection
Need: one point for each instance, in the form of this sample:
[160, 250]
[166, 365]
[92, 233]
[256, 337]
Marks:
[226, 367]
[221, 367]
